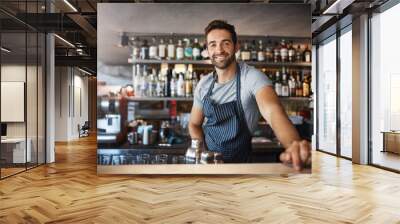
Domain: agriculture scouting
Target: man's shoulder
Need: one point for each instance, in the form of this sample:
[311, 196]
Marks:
[205, 79]
[249, 70]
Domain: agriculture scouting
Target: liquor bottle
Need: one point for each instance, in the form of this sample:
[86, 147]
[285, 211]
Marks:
[271, 76]
[291, 53]
[194, 81]
[238, 53]
[137, 81]
[153, 49]
[284, 51]
[277, 53]
[260, 53]
[152, 85]
[188, 84]
[204, 52]
[253, 51]
[298, 54]
[299, 86]
[188, 51]
[245, 55]
[285, 86]
[144, 83]
[135, 48]
[160, 85]
[278, 84]
[179, 51]
[196, 50]
[162, 49]
[144, 50]
[171, 50]
[306, 87]
[292, 86]
[181, 86]
[173, 84]
[167, 83]
[269, 56]
[307, 55]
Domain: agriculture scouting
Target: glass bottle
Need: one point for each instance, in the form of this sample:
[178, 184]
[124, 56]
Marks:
[171, 50]
[299, 85]
[162, 49]
[135, 48]
[144, 50]
[299, 54]
[260, 53]
[181, 86]
[173, 84]
[137, 81]
[306, 87]
[292, 86]
[285, 86]
[179, 51]
[194, 82]
[160, 85]
[152, 86]
[196, 50]
[253, 51]
[269, 56]
[144, 83]
[291, 53]
[245, 54]
[153, 49]
[277, 53]
[204, 52]
[278, 84]
[188, 51]
[284, 51]
[188, 84]
[307, 55]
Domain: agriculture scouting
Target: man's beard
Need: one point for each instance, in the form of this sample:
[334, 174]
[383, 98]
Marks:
[225, 63]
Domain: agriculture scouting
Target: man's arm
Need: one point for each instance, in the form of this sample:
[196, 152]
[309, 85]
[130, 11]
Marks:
[195, 123]
[297, 151]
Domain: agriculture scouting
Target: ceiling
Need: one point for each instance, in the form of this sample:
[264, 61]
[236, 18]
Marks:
[248, 18]
[265, 18]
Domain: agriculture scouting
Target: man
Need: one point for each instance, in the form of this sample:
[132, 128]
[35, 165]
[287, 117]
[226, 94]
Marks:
[229, 101]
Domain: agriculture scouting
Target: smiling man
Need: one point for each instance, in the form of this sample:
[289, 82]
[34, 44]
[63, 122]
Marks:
[228, 102]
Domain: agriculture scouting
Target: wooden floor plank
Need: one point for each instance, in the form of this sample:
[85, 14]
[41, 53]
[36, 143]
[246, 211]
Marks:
[70, 191]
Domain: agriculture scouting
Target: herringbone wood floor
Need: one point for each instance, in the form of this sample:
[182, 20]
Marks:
[69, 191]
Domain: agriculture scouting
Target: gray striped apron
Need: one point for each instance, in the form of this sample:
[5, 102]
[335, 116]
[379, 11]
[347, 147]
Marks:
[225, 129]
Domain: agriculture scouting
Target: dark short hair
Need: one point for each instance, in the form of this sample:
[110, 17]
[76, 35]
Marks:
[221, 24]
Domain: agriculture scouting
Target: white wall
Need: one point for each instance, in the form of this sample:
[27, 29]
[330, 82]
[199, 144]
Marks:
[71, 93]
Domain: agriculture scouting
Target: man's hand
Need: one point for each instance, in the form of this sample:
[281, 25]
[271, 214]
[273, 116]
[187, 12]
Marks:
[298, 154]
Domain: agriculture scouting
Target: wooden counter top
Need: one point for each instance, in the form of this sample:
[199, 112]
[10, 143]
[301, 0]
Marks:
[240, 168]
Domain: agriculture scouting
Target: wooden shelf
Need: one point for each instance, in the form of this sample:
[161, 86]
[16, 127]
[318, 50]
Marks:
[191, 98]
[159, 98]
[208, 63]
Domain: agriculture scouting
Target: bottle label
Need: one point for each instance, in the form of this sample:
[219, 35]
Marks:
[171, 51]
[153, 52]
[278, 89]
[245, 55]
[308, 58]
[260, 56]
[179, 53]
[196, 52]
[161, 51]
[188, 52]
[284, 52]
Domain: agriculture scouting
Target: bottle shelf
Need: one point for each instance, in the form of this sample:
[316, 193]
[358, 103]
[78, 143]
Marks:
[133, 98]
[208, 62]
